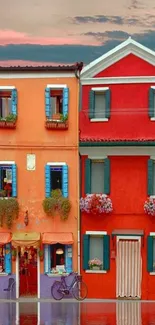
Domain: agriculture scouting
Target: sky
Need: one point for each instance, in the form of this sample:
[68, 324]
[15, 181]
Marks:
[35, 32]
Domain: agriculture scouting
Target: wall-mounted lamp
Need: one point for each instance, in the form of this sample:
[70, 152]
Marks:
[26, 218]
[59, 251]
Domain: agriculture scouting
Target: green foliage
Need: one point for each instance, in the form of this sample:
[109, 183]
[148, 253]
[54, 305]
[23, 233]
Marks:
[57, 203]
[9, 210]
[41, 253]
[11, 118]
[2, 193]
[14, 253]
[64, 118]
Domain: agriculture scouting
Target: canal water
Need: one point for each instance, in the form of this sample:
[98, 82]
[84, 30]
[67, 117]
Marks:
[74, 313]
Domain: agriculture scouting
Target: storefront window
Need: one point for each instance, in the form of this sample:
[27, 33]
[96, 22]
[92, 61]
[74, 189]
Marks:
[57, 258]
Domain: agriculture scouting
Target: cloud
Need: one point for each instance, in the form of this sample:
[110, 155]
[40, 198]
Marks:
[117, 20]
[106, 36]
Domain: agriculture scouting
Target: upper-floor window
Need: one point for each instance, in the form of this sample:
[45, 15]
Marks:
[5, 104]
[99, 104]
[97, 176]
[56, 177]
[57, 101]
[152, 102]
[151, 177]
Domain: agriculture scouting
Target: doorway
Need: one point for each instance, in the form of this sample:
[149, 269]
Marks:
[128, 268]
[28, 271]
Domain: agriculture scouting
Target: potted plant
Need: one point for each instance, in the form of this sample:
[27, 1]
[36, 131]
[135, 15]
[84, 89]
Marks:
[96, 204]
[57, 203]
[14, 254]
[95, 264]
[11, 120]
[9, 210]
[149, 206]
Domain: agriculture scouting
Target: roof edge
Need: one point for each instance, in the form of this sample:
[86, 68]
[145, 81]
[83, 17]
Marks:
[63, 68]
[116, 143]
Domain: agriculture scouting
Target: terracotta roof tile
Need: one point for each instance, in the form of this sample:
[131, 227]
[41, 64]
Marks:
[46, 68]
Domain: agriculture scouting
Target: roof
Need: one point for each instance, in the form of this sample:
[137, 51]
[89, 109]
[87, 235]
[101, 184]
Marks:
[117, 53]
[47, 68]
[91, 141]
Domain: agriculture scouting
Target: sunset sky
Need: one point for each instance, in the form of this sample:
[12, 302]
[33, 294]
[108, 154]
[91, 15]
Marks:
[66, 31]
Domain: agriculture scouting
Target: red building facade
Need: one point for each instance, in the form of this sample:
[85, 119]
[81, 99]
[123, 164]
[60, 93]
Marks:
[117, 152]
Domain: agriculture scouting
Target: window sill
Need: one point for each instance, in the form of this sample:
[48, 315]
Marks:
[99, 120]
[7, 125]
[152, 118]
[152, 273]
[3, 274]
[50, 275]
[95, 271]
[152, 196]
[56, 124]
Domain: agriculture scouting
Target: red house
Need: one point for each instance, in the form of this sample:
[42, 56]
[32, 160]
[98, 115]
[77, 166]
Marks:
[117, 152]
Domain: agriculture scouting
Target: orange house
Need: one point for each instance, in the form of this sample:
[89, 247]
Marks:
[39, 161]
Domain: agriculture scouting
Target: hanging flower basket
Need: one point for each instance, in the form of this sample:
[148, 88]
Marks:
[149, 206]
[96, 204]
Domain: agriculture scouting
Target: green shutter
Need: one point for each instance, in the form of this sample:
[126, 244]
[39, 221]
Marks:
[107, 176]
[106, 252]
[87, 176]
[151, 102]
[86, 240]
[150, 253]
[91, 104]
[107, 103]
[150, 177]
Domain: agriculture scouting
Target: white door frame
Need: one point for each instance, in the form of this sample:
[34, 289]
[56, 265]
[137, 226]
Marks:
[18, 277]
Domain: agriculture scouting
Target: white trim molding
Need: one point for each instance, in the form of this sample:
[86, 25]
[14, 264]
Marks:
[7, 87]
[117, 80]
[129, 237]
[98, 152]
[6, 162]
[57, 86]
[152, 233]
[95, 271]
[99, 120]
[56, 164]
[35, 75]
[99, 233]
[98, 89]
[117, 53]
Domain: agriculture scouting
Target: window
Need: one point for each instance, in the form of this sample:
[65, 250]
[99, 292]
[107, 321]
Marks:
[151, 253]
[56, 100]
[97, 176]
[58, 258]
[99, 103]
[96, 245]
[151, 177]
[5, 104]
[5, 258]
[152, 102]
[8, 180]
[56, 177]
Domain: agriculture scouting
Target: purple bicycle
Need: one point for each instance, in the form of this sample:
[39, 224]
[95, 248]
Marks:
[77, 287]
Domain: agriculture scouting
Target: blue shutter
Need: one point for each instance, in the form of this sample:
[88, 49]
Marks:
[91, 104]
[14, 180]
[47, 259]
[68, 258]
[86, 243]
[7, 260]
[47, 181]
[106, 252]
[65, 181]
[107, 176]
[150, 177]
[65, 101]
[150, 253]
[47, 102]
[151, 102]
[14, 101]
[88, 176]
[107, 103]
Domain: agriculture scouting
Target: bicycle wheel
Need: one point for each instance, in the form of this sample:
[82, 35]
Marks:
[79, 290]
[56, 292]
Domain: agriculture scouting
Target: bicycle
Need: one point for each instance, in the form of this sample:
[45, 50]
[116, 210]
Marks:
[60, 289]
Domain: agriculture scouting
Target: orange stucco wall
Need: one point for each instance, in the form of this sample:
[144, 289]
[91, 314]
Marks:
[31, 136]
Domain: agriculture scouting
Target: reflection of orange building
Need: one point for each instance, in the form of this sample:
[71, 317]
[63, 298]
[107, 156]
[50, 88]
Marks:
[39, 132]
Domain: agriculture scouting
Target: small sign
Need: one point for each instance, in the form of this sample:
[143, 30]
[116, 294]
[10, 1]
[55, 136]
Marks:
[31, 161]
[113, 255]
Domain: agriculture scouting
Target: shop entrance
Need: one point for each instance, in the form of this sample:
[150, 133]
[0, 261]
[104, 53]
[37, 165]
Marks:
[28, 271]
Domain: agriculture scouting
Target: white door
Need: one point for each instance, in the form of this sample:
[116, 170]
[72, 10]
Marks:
[128, 268]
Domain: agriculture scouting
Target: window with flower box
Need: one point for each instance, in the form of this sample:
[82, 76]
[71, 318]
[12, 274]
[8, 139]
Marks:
[96, 251]
[8, 179]
[56, 177]
[8, 105]
[97, 176]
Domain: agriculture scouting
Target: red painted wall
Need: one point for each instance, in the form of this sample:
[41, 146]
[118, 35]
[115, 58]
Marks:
[128, 193]
[129, 104]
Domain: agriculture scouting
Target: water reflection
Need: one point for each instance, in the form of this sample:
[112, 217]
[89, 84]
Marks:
[74, 313]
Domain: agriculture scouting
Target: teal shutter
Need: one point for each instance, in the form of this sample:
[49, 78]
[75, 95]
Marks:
[65, 101]
[150, 253]
[86, 243]
[106, 252]
[47, 181]
[91, 104]
[65, 181]
[68, 258]
[14, 101]
[151, 103]
[48, 102]
[14, 180]
[88, 176]
[7, 259]
[107, 103]
[150, 177]
[47, 259]
[107, 176]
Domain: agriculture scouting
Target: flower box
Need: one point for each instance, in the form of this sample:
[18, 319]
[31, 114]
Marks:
[52, 125]
[149, 206]
[6, 125]
[96, 204]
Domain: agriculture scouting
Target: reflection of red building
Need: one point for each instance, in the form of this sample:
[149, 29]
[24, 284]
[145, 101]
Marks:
[117, 139]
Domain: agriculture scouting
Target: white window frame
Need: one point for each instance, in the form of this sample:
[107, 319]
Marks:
[153, 235]
[96, 233]
[96, 90]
